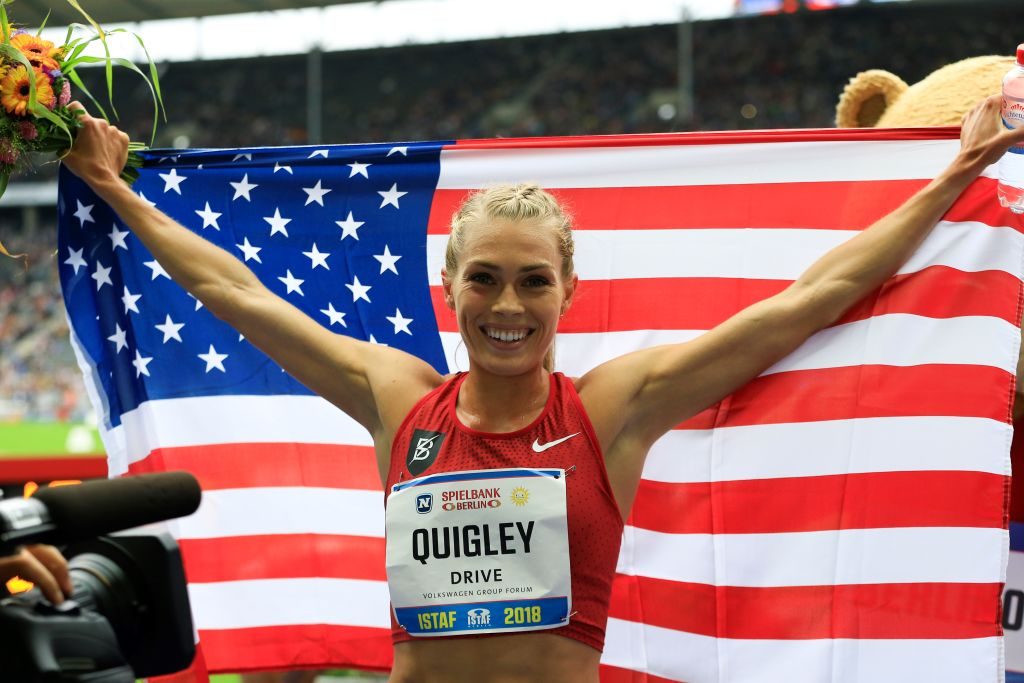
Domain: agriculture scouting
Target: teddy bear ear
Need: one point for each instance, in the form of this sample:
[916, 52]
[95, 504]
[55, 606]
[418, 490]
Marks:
[866, 97]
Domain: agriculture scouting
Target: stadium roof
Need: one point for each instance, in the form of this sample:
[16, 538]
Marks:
[32, 12]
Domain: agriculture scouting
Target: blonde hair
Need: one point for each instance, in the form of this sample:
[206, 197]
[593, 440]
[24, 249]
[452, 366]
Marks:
[513, 202]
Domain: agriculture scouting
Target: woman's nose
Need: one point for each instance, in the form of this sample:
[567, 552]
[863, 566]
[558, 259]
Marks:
[508, 301]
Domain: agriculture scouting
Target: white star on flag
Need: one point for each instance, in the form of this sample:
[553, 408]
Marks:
[117, 238]
[213, 359]
[401, 324]
[247, 157]
[373, 340]
[349, 226]
[318, 153]
[387, 260]
[145, 199]
[129, 300]
[316, 194]
[317, 257]
[359, 290]
[75, 259]
[242, 188]
[173, 181]
[292, 283]
[158, 270]
[102, 276]
[140, 364]
[391, 196]
[84, 213]
[335, 316]
[358, 169]
[170, 329]
[250, 251]
[279, 167]
[277, 223]
[171, 158]
[119, 338]
[209, 217]
[398, 150]
[199, 304]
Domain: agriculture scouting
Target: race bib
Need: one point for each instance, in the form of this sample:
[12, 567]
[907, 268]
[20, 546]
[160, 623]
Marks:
[484, 551]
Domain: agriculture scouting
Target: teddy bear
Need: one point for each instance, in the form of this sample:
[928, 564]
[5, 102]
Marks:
[880, 99]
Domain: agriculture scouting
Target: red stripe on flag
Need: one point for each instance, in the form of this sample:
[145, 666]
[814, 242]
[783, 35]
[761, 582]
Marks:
[860, 611]
[638, 304]
[241, 558]
[230, 466]
[613, 674]
[296, 647]
[886, 499]
[864, 391]
[739, 137]
[840, 205]
[979, 203]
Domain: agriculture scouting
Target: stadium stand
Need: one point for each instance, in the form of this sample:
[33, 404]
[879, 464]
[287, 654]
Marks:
[752, 72]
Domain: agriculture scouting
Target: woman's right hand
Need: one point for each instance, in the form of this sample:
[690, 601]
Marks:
[100, 151]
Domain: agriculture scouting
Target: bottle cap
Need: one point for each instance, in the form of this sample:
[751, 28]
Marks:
[1020, 54]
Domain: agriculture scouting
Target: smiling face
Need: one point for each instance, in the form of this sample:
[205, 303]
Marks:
[508, 290]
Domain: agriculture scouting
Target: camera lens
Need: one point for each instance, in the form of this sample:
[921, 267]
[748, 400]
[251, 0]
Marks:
[105, 583]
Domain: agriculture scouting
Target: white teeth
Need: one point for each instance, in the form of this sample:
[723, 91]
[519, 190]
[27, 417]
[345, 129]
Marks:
[506, 335]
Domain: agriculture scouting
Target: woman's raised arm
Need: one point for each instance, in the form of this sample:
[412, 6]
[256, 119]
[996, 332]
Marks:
[376, 385]
[642, 395]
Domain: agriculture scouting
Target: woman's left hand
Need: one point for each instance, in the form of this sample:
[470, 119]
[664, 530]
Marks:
[983, 137]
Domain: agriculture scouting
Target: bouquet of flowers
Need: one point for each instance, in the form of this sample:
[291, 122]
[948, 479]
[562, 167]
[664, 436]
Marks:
[36, 77]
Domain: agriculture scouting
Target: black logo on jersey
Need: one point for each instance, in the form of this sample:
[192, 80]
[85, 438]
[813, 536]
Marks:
[423, 450]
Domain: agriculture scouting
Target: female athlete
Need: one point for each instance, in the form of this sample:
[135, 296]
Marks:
[535, 547]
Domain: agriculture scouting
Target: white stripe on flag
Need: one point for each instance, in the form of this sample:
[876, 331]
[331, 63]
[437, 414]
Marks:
[817, 558]
[631, 645]
[285, 510]
[894, 339]
[738, 253]
[808, 449]
[168, 423]
[905, 340]
[735, 164]
[274, 602]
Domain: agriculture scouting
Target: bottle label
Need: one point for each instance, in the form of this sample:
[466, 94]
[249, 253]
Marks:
[1013, 116]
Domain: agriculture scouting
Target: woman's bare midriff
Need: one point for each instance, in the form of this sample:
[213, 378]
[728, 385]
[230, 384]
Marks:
[519, 658]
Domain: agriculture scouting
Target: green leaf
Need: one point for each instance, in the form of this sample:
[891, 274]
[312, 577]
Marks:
[43, 25]
[106, 51]
[77, 80]
[44, 113]
[154, 76]
[128, 64]
[4, 23]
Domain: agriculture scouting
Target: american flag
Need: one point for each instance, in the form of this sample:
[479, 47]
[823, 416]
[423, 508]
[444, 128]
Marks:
[840, 518]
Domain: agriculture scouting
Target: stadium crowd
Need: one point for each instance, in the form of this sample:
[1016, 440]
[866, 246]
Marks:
[753, 72]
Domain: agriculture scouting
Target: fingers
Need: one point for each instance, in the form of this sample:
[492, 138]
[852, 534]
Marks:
[26, 566]
[54, 561]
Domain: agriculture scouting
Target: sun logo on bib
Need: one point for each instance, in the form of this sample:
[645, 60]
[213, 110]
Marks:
[520, 496]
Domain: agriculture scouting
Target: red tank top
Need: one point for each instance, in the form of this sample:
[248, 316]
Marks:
[595, 526]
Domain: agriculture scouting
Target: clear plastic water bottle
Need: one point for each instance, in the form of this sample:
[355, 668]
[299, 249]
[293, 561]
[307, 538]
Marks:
[1011, 166]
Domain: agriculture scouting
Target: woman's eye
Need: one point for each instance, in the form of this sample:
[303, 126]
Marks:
[537, 281]
[483, 278]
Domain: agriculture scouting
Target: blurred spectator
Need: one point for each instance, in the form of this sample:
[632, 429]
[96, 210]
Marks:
[39, 378]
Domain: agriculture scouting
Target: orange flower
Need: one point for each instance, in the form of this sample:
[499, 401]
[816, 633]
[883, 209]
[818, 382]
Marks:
[47, 64]
[31, 46]
[14, 90]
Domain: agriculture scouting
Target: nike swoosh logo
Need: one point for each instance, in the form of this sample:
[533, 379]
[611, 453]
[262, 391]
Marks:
[539, 447]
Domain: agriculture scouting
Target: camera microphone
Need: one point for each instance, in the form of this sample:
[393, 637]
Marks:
[71, 513]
